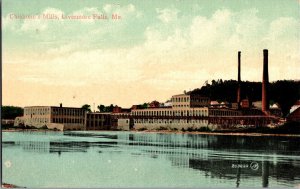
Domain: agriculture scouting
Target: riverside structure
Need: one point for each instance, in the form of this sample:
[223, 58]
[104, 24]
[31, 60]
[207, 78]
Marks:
[186, 111]
[53, 117]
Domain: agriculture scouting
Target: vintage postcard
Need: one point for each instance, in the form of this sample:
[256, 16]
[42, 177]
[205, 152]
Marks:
[150, 94]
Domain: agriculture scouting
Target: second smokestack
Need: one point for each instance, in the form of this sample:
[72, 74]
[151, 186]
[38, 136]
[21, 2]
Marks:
[239, 79]
[265, 83]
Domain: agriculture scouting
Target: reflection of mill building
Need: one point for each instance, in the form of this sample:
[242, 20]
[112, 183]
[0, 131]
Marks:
[35, 146]
[176, 149]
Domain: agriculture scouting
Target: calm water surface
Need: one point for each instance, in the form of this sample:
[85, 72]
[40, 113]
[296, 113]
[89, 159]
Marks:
[127, 159]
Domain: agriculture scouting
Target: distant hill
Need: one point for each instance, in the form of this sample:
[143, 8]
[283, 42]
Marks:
[284, 92]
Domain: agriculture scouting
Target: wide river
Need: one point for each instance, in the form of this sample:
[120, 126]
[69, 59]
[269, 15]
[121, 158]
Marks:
[129, 159]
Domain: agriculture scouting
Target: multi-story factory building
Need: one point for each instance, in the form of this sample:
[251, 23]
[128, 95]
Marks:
[98, 121]
[189, 101]
[186, 111]
[61, 118]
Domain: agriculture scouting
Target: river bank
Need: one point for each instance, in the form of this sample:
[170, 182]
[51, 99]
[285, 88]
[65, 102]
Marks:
[225, 132]
[218, 133]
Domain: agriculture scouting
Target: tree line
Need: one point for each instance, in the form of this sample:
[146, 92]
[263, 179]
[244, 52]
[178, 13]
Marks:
[101, 108]
[11, 112]
[283, 92]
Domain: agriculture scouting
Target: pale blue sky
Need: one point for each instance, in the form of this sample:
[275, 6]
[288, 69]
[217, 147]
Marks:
[157, 49]
[132, 32]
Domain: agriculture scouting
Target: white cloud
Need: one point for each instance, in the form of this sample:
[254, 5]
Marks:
[130, 8]
[8, 23]
[167, 15]
[87, 11]
[227, 29]
[248, 23]
[211, 31]
[40, 23]
[107, 8]
[284, 28]
[123, 11]
[51, 10]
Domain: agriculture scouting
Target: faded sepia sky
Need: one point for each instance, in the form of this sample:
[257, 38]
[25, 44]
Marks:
[157, 49]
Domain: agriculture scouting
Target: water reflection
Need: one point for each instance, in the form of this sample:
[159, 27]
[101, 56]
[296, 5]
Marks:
[235, 158]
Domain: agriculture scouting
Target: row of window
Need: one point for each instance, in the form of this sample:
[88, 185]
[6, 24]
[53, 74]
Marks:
[58, 111]
[97, 125]
[180, 99]
[95, 116]
[39, 120]
[188, 99]
[36, 111]
[68, 112]
[67, 120]
[172, 113]
[96, 120]
[169, 121]
[181, 105]
[223, 113]
[100, 122]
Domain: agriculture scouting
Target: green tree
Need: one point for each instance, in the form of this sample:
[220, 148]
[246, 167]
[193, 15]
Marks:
[11, 112]
[284, 92]
[101, 108]
[110, 108]
[87, 107]
[145, 105]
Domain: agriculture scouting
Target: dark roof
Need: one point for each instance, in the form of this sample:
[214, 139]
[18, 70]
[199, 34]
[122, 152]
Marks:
[294, 112]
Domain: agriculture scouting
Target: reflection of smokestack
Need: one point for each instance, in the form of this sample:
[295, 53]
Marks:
[265, 83]
[265, 173]
[239, 79]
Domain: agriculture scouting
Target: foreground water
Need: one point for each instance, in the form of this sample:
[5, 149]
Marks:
[127, 159]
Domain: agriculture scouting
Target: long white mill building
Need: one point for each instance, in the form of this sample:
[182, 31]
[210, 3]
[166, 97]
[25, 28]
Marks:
[186, 111]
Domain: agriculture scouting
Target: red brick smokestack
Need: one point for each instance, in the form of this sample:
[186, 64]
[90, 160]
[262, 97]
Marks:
[265, 84]
[239, 79]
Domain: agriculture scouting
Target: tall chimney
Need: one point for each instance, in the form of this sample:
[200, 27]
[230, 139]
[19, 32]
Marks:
[265, 84]
[239, 79]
